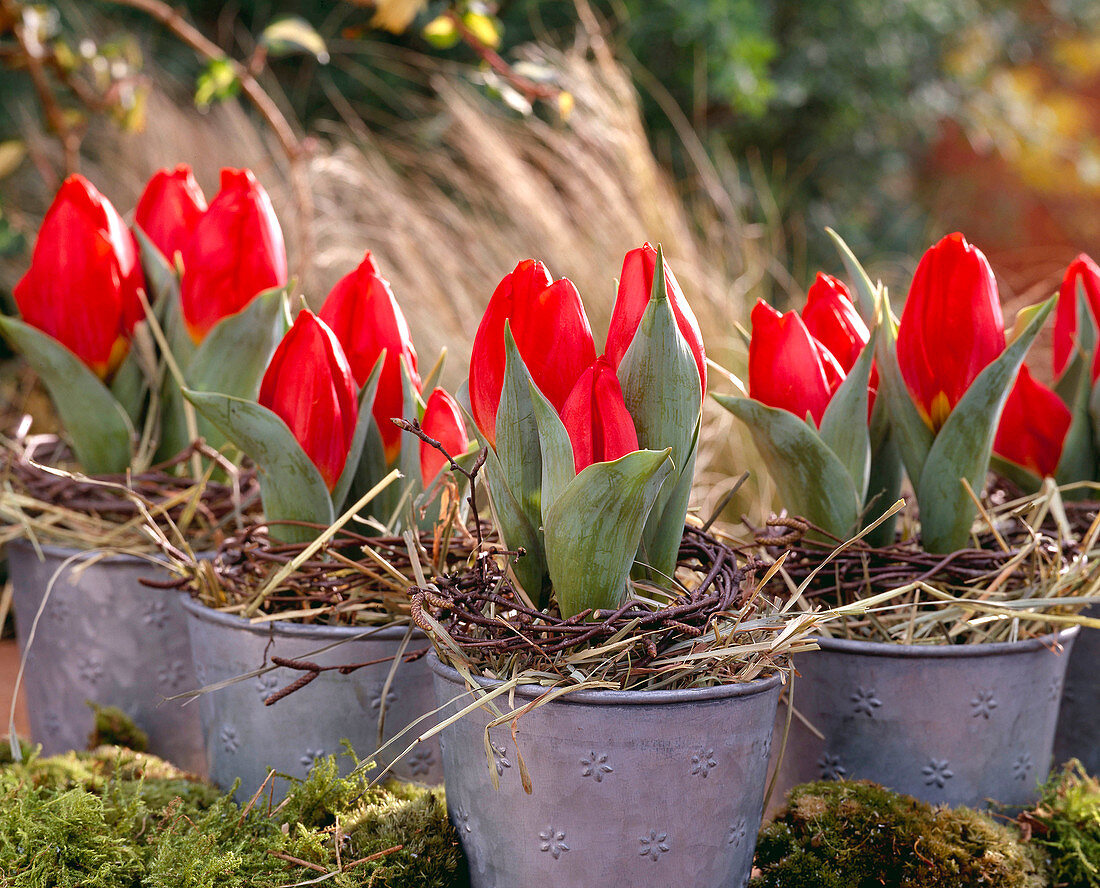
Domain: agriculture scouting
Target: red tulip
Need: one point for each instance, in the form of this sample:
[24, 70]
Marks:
[1033, 426]
[363, 313]
[788, 368]
[552, 333]
[234, 252]
[635, 288]
[309, 385]
[83, 284]
[832, 320]
[951, 327]
[1083, 270]
[442, 421]
[595, 415]
[169, 209]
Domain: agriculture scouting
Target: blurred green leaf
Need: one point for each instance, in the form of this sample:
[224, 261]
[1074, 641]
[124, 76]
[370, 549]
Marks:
[216, 83]
[442, 32]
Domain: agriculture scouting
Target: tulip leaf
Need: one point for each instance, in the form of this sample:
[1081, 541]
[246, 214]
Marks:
[868, 295]
[518, 532]
[411, 408]
[912, 434]
[665, 531]
[811, 479]
[594, 528]
[291, 486]
[1074, 387]
[660, 382]
[358, 438]
[162, 284]
[558, 463]
[1023, 478]
[844, 425]
[517, 433]
[130, 386]
[885, 477]
[95, 422]
[962, 447]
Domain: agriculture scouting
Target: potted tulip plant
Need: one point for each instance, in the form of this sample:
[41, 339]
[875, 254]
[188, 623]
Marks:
[302, 591]
[87, 330]
[925, 694]
[615, 663]
[1050, 432]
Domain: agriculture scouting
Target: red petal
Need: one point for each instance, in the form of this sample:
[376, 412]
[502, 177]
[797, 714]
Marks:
[1033, 426]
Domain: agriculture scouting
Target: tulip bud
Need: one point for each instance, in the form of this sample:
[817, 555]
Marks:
[635, 289]
[83, 284]
[1085, 271]
[788, 368]
[552, 334]
[1033, 426]
[309, 385]
[169, 209]
[442, 421]
[833, 321]
[600, 427]
[363, 313]
[235, 251]
[951, 327]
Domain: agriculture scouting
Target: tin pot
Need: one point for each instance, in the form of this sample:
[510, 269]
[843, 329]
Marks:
[657, 788]
[245, 738]
[1078, 734]
[105, 638]
[950, 724]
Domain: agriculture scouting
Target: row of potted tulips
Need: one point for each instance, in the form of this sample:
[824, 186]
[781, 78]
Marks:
[588, 462]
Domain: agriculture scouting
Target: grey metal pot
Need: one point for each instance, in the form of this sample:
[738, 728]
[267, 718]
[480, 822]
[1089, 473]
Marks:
[245, 738]
[662, 789]
[954, 724]
[1078, 734]
[105, 638]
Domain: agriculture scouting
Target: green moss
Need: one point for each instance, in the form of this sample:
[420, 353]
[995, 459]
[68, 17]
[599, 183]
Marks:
[113, 727]
[858, 835]
[115, 818]
[1066, 824]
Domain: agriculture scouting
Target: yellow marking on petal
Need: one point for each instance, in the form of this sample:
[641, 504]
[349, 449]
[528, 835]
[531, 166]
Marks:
[941, 409]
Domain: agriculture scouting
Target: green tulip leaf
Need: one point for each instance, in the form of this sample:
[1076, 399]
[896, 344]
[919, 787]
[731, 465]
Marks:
[868, 295]
[912, 435]
[962, 448]
[517, 434]
[844, 425]
[664, 532]
[291, 486]
[884, 479]
[660, 382]
[517, 532]
[558, 463]
[811, 479]
[130, 387]
[1023, 478]
[162, 284]
[594, 528]
[1074, 387]
[369, 471]
[95, 422]
[358, 439]
[431, 381]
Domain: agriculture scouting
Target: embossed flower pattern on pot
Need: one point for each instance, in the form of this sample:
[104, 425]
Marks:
[595, 765]
[653, 845]
[937, 772]
[552, 841]
[702, 763]
[983, 704]
[865, 701]
[830, 768]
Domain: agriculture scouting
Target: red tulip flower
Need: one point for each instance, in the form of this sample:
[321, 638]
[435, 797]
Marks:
[169, 209]
[1033, 426]
[832, 319]
[551, 331]
[363, 313]
[788, 367]
[595, 416]
[1085, 271]
[235, 251]
[635, 288]
[309, 385]
[951, 327]
[83, 284]
[442, 421]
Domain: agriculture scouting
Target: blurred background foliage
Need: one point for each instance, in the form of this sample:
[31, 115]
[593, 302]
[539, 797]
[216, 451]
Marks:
[453, 137]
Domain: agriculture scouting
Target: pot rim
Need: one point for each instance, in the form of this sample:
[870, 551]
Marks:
[607, 697]
[899, 651]
[198, 611]
[52, 550]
